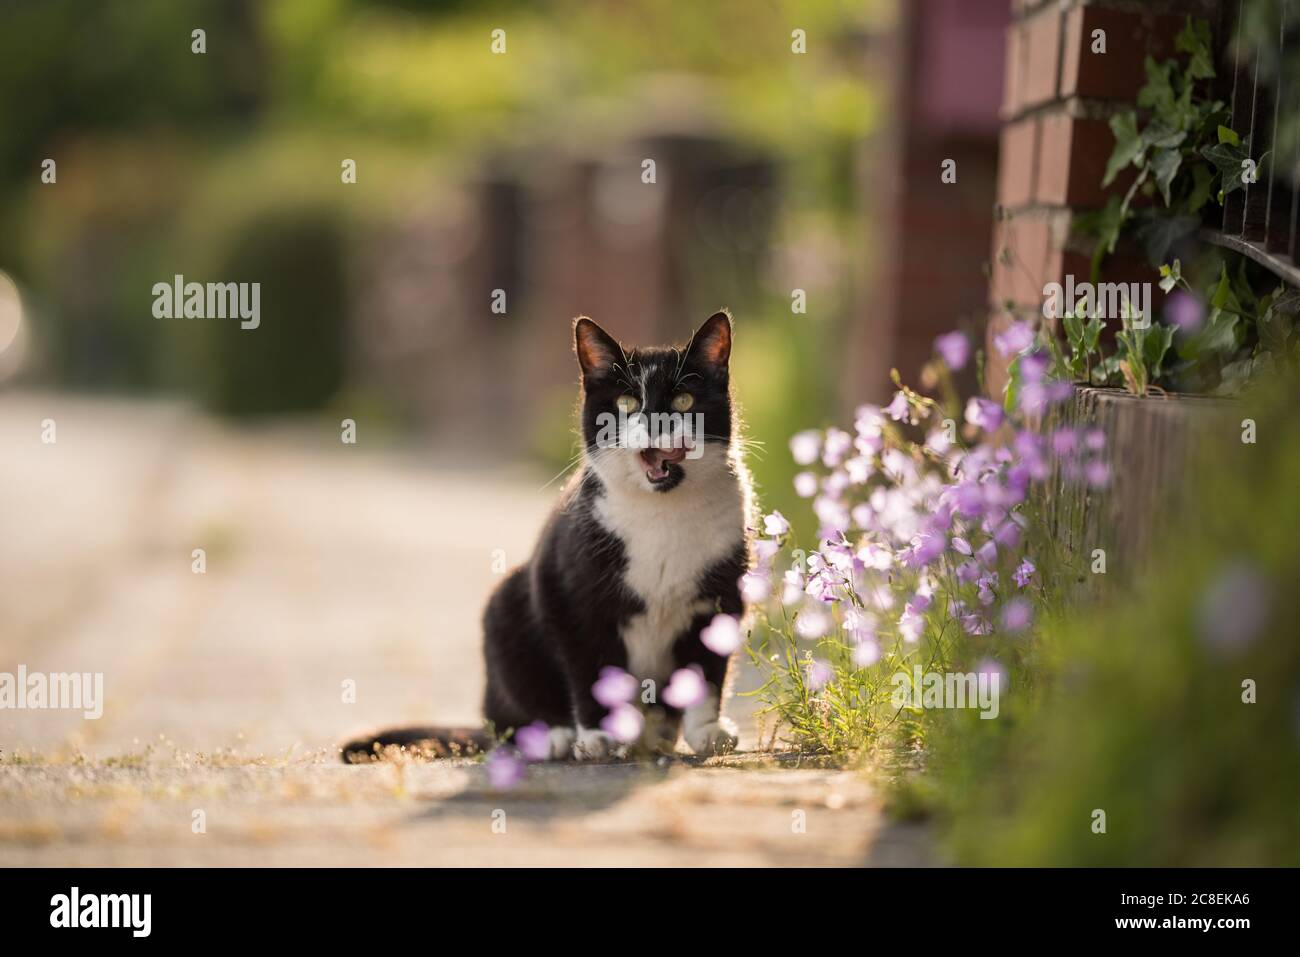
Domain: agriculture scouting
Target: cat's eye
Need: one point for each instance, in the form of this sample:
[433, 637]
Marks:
[682, 401]
[627, 404]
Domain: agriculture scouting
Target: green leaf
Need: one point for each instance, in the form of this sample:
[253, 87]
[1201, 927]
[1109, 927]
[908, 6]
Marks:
[1275, 328]
[1229, 136]
[1201, 191]
[1220, 334]
[1194, 39]
[1128, 145]
[1156, 343]
[1164, 166]
[1226, 159]
[1158, 93]
[1011, 391]
[1092, 334]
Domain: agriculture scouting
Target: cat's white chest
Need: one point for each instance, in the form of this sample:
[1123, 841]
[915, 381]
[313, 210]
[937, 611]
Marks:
[670, 541]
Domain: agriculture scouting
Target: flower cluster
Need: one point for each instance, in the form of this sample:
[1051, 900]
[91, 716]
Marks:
[921, 528]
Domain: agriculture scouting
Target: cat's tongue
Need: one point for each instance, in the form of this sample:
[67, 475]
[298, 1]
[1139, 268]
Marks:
[656, 462]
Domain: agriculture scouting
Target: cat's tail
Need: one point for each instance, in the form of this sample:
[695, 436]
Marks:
[421, 742]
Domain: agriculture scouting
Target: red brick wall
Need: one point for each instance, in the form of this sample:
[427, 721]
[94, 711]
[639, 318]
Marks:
[1057, 98]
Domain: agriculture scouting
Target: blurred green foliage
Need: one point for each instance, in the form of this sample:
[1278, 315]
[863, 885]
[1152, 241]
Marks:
[1134, 705]
[172, 163]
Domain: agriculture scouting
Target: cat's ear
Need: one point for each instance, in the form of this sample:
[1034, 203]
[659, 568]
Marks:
[711, 344]
[598, 352]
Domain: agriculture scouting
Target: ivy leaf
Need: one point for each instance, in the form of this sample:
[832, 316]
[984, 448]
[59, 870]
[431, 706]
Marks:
[1194, 39]
[1157, 342]
[1158, 93]
[1234, 377]
[1129, 146]
[1164, 166]
[1275, 328]
[1202, 181]
[1220, 334]
[1226, 158]
[1229, 136]
[1164, 134]
[1161, 234]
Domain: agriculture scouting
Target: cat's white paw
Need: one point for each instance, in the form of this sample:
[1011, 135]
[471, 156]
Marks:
[561, 743]
[713, 737]
[593, 744]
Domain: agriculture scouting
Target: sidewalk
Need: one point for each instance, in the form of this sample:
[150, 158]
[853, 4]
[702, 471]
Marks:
[325, 565]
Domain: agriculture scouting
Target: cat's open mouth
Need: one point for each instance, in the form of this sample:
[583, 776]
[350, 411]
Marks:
[657, 461]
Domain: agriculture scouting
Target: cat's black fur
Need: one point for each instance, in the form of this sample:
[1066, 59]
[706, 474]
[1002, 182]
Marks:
[556, 621]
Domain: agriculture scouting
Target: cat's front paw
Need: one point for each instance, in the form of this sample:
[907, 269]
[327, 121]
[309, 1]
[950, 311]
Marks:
[713, 737]
[593, 744]
[560, 742]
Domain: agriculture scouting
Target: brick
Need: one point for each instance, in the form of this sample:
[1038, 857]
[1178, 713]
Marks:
[1042, 36]
[1120, 72]
[1017, 161]
[1072, 157]
[1013, 72]
[1021, 246]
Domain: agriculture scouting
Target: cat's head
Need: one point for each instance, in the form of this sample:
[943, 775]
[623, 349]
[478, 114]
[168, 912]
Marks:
[657, 418]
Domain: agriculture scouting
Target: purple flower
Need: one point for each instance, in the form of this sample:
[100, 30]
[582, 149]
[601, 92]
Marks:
[911, 625]
[1007, 535]
[976, 624]
[1017, 614]
[614, 687]
[968, 572]
[686, 688]
[817, 674]
[534, 741]
[1185, 311]
[806, 447]
[765, 550]
[898, 409]
[1034, 366]
[805, 484]
[1235, 608]
[866, 653]
[1065, 442]
[962, 546]
[1060, 390]
[1025, 573]
[722, 635]
[925, 549]
[791, 587]
[954, 349]
[624, 723]
[813, 622]
[1016, 337]
[775, 524]
[968, 499]
[995, 671]
[837, 445]
[504, 769]
[987, 554]
[984, 414]
[755, 587]
[1097, 473]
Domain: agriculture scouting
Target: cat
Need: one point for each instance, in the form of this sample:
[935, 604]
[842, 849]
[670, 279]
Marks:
[645, 547]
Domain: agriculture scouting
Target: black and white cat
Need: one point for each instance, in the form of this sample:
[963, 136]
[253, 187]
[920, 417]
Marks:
[645, 547]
